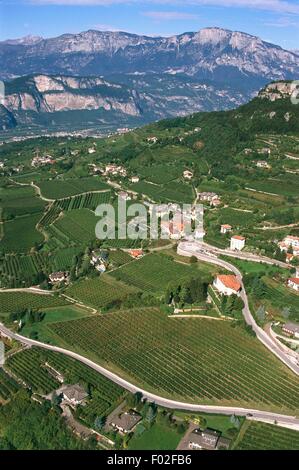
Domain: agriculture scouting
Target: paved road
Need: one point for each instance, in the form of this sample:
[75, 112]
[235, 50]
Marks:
[284, 420]
[195, 249]
[244, 255]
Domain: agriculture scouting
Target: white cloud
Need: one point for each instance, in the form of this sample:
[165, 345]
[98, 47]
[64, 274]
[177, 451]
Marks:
[286, 22]
[170, 15]
[283, 6]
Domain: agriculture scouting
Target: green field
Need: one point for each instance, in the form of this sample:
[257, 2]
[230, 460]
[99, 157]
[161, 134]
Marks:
[101, 291]
[63, 313]
[20, 234]
[59, 189]
[158, 437]
[261, 436]
[203, 361]
[18, 200]
[14, 301]
[154, 272]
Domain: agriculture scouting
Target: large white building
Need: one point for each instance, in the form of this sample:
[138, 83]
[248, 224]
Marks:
[227, 284]
[237, 242]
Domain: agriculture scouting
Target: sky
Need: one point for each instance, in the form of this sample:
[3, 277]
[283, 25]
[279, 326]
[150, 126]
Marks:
[275, 21]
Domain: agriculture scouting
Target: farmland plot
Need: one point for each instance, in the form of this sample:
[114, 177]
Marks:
[101, 291]
[58, 189]
[205, 361]
[14, 301]
[262, 436]
[20, 234]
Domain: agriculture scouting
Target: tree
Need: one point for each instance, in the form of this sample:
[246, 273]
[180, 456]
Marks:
[100, 422]
[261, 313]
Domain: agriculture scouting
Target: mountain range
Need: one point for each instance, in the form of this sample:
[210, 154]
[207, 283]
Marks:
[153, 77]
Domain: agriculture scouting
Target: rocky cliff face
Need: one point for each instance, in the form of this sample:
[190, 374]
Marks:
[54, 94]
[278, 91]
[204, 54]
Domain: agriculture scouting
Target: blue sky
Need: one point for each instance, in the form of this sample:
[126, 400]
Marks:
[275, 21]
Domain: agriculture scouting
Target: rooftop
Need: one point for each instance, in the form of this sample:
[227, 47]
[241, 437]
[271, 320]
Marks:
[127, 420]
[238, 237]
[230, 281]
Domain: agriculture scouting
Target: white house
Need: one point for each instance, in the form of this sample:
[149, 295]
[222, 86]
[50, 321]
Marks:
[91, 150]
[187, 174]
[59, 276]
[227, 284]
[225, 228]
[293, 282]
[237, 242]
[291, 329]
[290, 241]
[262, 164]
[135, 179]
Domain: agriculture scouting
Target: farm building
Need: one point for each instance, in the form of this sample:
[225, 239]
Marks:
[237, 242]
[291, 329]
[225, 228]
[59, 276]
[126, 422]
[227, 284]
[74, 394]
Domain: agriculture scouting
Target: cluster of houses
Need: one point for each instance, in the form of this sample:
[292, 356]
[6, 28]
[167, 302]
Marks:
[212, 198]
[208, 439]
[115, 170]
[290, 242]
[43, 160]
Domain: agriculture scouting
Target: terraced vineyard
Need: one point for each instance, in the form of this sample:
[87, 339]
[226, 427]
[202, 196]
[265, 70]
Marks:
[262, 436]
[154, 272]
[84, 201]
[76, 226]
[59, 189]
[101, 291]
[8, 386]
[29, 365]
[25, 225]
[199, 360]
[14, 301]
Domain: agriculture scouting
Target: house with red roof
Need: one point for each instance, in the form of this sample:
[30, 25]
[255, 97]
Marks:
[227, 284]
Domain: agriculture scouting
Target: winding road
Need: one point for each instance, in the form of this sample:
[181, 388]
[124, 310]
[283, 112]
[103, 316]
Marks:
[196, 249]
[207, 254]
